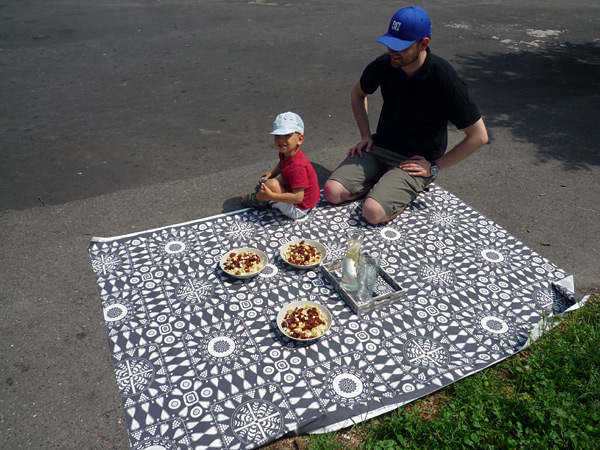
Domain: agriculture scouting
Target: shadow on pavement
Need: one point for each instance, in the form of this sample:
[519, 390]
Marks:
[550, 98]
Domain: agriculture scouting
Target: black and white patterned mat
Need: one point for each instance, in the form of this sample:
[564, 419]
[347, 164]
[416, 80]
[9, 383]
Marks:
[200, 363]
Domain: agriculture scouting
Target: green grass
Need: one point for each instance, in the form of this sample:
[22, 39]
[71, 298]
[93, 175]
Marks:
[546, 397]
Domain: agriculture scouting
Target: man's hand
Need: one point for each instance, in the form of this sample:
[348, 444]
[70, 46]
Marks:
[364, 145]
[359, 108]
[417, 166]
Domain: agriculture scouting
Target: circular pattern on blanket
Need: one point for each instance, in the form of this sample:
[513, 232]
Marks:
[408, 388]
[256, 422]
[194, 291]
[390, 234]
[222, 345]
[196, 412]
[494, 324]
[424, 352]
[105, 264]
[492, 256]
[437, 275]
[240, 231]
[442, 219]
[175, 403]
[289, 378]
[134, 375]
[353, 325]
[115, 312]
[348, 385]
[206, 392]
[175, 247]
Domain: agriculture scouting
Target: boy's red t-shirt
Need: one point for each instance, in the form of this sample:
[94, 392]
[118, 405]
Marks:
[298, 172]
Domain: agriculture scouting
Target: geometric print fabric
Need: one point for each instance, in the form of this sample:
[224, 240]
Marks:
[200, 362]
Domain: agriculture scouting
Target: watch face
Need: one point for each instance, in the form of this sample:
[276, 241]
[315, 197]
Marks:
[434, 169]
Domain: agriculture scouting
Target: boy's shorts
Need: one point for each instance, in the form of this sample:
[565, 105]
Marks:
[290, 210]
[379, 171]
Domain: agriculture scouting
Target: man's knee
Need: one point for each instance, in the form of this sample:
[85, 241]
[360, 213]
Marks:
[374, 213]
[333, 191]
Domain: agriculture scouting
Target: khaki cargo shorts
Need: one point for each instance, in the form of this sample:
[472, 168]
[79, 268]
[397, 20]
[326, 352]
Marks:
[379, 173]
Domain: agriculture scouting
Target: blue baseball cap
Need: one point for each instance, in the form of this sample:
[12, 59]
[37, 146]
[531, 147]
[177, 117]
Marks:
[408, 26]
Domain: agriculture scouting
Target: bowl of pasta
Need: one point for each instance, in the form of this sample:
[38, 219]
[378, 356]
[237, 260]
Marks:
[303, 253]
[244, 262]
[303, 320]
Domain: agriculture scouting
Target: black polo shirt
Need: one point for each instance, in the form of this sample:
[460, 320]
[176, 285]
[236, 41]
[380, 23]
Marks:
[416, 110]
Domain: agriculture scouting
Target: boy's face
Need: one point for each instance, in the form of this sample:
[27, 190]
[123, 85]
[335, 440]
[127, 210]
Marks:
[288, 144]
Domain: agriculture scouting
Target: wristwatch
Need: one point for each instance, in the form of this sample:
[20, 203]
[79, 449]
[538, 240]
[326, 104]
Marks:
[434, 168]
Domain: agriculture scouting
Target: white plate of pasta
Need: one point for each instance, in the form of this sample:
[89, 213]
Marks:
[243, 262]
[303, 320]
[303, 253]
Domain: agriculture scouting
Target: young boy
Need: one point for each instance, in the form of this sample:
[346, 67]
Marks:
[292, 185]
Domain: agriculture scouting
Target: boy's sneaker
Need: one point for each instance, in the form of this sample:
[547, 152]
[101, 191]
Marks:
[250, 201]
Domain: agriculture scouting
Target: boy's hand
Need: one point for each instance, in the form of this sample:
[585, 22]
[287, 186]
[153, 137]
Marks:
[266, 192]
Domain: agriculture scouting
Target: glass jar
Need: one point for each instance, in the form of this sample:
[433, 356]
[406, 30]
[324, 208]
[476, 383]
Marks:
[350, 264]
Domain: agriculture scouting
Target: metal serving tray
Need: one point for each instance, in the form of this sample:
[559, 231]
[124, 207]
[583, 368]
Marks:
[386, 291]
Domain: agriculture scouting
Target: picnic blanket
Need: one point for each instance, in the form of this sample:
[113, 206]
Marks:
[200, 362]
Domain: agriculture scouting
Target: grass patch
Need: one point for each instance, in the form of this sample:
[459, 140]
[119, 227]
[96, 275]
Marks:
[546, 397]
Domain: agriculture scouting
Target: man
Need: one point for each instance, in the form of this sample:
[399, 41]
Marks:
[421, 94]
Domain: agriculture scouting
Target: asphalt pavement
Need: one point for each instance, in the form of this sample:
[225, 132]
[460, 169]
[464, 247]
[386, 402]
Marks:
[123, 116]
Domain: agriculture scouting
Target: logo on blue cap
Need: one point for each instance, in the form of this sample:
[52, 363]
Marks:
[407, 26]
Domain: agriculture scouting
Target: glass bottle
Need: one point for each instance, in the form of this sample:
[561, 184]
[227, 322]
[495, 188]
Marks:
[350, 263]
